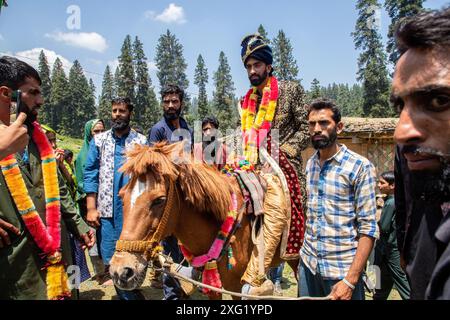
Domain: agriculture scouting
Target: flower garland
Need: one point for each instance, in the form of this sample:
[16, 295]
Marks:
[48, 239]
[242, 165]
[210, 274]
[253, 122]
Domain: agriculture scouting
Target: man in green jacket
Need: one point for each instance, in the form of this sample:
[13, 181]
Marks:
[387, 256]
[21, 263]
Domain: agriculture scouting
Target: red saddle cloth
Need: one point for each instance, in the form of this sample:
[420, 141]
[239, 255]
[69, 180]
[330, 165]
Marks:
[297, 227]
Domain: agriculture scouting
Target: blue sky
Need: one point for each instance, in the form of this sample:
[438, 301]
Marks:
[319, 32]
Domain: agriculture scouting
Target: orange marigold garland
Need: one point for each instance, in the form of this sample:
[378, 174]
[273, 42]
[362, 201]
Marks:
[252, 123]
[47, 237]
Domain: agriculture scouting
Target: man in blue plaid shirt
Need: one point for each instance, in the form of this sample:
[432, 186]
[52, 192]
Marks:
[341, 224]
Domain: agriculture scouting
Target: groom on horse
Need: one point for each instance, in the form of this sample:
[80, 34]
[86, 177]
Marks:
[272, 110]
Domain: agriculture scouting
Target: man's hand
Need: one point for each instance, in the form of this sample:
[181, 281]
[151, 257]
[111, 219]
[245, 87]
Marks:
[341, 291]
[93, 218]
[4, 237]
[59, 156]
[88, 240]
[13, 138]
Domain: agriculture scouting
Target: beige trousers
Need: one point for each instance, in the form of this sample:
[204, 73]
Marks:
[275, 220]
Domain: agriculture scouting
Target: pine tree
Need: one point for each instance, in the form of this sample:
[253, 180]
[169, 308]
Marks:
[285, 66]
[397, 10]
[372, 69]
[263, 33]
[357, 101]
[45, 113]
[153, 112]
[170, 61]
[116, 82]
[104, 109]
[91, 100]
[126, 81]
[92, 86]
[142, 81]
[172, 66]
[349, 99]
[223, 95]
[59, 97]
[315, 89]
[201, 79]
[81, 106]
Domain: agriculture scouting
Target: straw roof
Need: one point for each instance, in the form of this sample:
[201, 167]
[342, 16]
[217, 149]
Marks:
[376, 126]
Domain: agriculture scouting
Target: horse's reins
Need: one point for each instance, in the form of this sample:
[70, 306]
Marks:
[150, 248]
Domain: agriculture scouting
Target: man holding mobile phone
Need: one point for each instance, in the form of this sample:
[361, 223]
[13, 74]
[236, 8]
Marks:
[14, 137]
[23, 262]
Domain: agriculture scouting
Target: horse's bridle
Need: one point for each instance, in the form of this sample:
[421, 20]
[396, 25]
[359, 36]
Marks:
[150, 248]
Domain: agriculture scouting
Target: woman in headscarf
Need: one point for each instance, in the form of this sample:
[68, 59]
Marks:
[91, 128]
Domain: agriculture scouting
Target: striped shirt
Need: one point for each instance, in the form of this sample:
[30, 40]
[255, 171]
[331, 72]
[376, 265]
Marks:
[341, 206]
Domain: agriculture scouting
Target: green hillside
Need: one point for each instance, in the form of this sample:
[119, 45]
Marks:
[72, 144]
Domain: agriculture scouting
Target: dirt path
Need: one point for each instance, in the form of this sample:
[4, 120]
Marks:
[91, 290]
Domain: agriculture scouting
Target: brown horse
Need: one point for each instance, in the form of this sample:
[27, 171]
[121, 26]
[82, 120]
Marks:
[188, 200]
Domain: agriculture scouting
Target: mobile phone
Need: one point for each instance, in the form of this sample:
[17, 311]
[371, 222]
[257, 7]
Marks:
[20, 105]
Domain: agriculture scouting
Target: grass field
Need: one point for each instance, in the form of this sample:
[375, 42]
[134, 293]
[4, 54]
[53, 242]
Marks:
[72, 144]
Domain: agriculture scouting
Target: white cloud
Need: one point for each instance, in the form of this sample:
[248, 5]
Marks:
[91, 41]
[32, 57]
[172, 14]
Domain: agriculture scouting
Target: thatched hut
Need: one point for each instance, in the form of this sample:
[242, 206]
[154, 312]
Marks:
[371, 138]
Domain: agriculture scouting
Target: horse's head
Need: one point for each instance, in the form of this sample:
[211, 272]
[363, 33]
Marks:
[145, 199]
[160, 185]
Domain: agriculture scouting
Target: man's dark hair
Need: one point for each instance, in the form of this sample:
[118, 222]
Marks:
[211, 119]
[389, 177]
[428, 29]
[23, 71]
[125, 101]
[172, 89]
[7, 74]
[320, 104]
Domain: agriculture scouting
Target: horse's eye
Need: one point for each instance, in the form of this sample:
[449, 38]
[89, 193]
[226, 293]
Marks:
[158, 201]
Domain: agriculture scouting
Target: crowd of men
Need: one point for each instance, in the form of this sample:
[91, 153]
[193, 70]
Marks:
[333, 227]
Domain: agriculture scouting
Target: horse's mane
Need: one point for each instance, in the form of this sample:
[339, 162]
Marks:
[204, 187]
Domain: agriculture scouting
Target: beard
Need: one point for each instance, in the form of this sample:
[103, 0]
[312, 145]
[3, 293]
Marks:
[32, 113]
[120, 124]
[325, 142]
[172, 116]
[257, 80]
[430, 185]
[31, 117]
